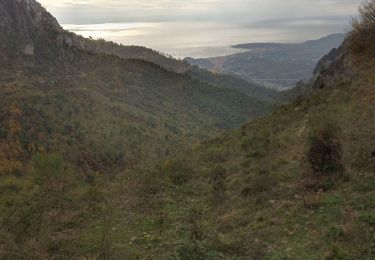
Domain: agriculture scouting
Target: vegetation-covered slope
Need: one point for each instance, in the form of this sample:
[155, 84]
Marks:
[26, 21]
[96, 108]
[298, 184]
[169, 63]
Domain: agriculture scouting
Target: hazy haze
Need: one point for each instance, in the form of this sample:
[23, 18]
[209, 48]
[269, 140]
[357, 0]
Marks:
[183, 27]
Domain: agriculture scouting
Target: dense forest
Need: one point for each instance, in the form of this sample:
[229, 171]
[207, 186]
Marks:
[103, 156]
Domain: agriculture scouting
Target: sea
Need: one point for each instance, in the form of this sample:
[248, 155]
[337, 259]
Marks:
[194, 39]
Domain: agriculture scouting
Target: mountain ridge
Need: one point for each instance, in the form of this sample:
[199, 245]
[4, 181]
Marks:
[132, 100]
[278, 65]
[38, 14]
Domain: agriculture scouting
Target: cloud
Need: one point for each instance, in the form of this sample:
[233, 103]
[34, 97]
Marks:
[192, 23]
[99, 11]
[133, 4]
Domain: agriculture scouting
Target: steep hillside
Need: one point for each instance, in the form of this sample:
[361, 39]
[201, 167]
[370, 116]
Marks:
[296, 184]
[98, 109]
[247, 87]
[273, 64]
[32, 19]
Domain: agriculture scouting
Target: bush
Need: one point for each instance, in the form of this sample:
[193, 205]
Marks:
[325, 152]
[195, 219]
[148, 189]
[362, 37]
[256, 144]
[179, 171]
[215, 155]
[262, 182]
[47, 168]
[3, 133]
[196, 250]
[218, 182]
[325, 158]
[179, 177]
[42, 210]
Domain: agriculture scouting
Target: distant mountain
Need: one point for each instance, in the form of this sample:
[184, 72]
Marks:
[273, 64]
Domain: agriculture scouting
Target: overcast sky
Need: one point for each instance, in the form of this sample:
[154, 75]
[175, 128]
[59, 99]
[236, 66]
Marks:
[204, 22]
[99, 11]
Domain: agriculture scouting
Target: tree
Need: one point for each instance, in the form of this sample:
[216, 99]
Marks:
[325, 158]
[362, 37]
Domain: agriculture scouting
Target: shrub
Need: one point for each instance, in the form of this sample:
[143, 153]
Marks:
[148, 189]
[325, 158]
[179, 177]
[179, 171]
[262, 182]
[362, 37]
[3, 133]
[195, 218]
[42, 210]
[196, 250]
[218, 182]
[256, 144]
[312, 200]
[215, 155]
[368, 218]
[325, 151]
[47, 168]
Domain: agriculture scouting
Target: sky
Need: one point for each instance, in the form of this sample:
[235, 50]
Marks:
[203, 27]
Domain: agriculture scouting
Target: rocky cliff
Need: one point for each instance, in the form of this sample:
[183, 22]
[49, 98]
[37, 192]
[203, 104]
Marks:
[24, 25]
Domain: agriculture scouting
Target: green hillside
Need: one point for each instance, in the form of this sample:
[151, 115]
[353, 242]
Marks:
[100, 110]
[115, 107]
[298, 184]
[81, 134]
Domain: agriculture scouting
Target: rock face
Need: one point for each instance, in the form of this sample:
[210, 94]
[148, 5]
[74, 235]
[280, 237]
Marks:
[24, 26]
[334, 67]
[333, 56]
[31, 26]
[25, 17]
[29, 49]
[30, 35]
